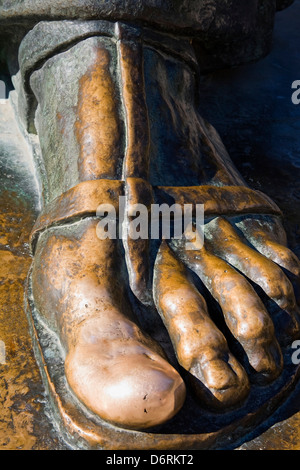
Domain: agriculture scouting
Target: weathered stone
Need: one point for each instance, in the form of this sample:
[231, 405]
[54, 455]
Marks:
[226, 33]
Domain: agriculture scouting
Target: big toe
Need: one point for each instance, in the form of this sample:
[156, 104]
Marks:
[136, 389]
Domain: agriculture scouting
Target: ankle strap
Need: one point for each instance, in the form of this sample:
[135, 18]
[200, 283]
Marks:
[78, 202]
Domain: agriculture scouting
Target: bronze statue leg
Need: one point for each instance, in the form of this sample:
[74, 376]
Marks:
[115, 116]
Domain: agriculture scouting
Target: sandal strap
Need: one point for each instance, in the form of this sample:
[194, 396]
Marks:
[84, 199]
[80, 201]
[220, 200]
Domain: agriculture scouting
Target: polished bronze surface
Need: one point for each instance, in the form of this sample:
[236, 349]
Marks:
[85, 198]
[136, 158]
[224, 200]
[24, 424]
[244, 312]
[98, 126]
[76, 290]
[79, 285]
[80, 201]
[136, 164]
[115, 105]
[219, 379]
[138, 191]
[226, 243]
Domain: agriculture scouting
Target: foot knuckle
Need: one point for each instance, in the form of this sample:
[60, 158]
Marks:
[257, 327]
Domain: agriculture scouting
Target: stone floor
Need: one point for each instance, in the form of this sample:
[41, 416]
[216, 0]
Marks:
[252, 109]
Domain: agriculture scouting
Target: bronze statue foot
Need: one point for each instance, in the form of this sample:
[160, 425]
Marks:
[125, 123]
[115, 373]
[116, 370]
